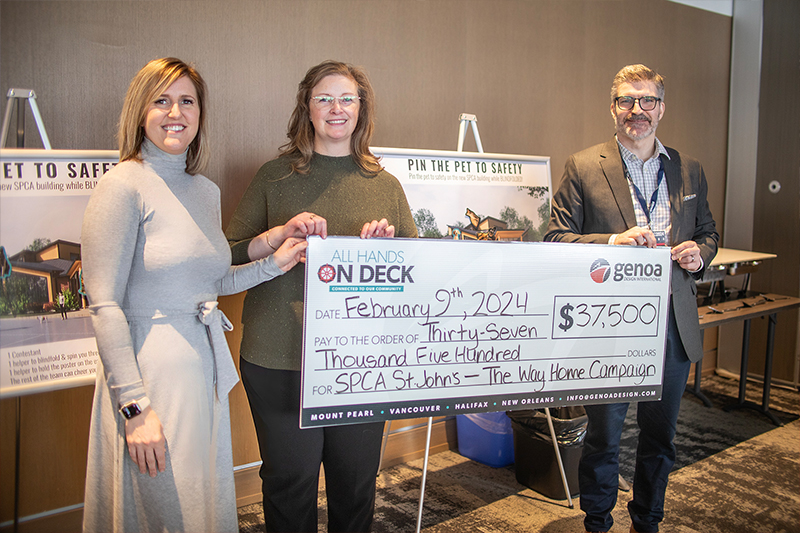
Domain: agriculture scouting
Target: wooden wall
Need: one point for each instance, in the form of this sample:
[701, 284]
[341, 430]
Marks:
[537, 74]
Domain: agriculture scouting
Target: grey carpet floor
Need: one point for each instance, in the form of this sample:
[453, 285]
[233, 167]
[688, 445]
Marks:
[736, 473]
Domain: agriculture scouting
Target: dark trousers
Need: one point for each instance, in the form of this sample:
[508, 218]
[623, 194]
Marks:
[598, 472]
[291, 459]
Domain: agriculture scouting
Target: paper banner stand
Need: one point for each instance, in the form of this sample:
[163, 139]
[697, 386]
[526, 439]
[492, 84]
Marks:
[465, 118]
[16, 96]
[462, 131]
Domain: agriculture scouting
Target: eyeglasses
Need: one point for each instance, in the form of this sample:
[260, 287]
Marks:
[324, 102]
[646, 103]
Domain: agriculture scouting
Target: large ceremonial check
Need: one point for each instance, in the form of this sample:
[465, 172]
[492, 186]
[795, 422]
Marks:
[404, 328]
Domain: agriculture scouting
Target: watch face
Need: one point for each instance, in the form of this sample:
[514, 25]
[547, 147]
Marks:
[130, 410]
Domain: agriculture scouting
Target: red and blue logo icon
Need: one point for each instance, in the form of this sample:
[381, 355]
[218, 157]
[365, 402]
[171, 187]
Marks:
[600, 271]
[326, 273]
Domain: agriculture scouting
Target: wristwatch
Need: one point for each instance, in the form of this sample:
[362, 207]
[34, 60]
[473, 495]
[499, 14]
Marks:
[135, 407]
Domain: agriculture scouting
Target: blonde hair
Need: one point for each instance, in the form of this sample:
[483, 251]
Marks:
[149, 83]
[300, 147]
[635, 74]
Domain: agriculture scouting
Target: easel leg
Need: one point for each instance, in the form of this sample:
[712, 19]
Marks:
[558, 457]
[424, 474]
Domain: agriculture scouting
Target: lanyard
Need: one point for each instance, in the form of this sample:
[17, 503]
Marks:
[640, 196]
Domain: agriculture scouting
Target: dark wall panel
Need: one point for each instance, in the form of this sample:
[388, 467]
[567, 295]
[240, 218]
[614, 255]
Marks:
[775, 226]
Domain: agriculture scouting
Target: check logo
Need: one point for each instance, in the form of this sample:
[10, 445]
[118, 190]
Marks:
[600, 271]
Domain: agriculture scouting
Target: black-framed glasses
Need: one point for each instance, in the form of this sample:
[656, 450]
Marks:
[646, 103]
[324, 102]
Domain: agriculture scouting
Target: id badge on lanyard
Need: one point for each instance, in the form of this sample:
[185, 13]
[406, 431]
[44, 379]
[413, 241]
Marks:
[660, 235]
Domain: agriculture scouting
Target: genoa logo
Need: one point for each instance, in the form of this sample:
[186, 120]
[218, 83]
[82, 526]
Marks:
[600, 271]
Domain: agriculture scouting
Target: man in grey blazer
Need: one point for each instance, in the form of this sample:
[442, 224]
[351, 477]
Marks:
[634, 191]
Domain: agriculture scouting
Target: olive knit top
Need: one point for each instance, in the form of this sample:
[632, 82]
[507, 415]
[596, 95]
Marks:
[338, 190]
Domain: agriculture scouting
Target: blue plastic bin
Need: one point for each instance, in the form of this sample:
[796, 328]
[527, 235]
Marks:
[486, 437]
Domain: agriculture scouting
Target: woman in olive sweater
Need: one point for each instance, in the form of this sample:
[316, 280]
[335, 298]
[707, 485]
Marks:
[325, 181]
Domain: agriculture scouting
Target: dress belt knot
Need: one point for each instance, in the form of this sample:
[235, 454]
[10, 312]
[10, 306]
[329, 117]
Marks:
[216, 324]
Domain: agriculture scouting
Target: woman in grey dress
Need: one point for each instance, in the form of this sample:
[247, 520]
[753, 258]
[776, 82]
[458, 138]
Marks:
[155, 259]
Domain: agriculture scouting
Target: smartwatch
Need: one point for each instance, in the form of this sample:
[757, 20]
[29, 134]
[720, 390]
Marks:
[135, 407]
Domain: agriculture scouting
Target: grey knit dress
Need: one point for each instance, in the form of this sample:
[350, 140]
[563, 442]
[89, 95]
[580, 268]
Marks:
[154, 260]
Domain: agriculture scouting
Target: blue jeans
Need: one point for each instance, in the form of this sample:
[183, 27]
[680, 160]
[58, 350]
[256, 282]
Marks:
[598, 472]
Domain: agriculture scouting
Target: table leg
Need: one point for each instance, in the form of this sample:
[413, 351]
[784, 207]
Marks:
[745, 286]
[745, 356]
[698, 374]
[743, 403]
[773, 319]
[711, 290]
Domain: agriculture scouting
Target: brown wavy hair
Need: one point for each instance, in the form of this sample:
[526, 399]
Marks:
[300, 147]
[145, 87]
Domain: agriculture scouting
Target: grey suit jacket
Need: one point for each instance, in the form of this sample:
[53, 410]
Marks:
[594, 202]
